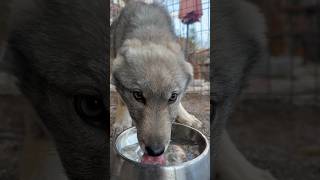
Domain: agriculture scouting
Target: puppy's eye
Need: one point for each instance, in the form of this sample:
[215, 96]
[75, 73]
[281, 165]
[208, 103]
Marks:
[173, 97]
[91, 109]
[138, 95]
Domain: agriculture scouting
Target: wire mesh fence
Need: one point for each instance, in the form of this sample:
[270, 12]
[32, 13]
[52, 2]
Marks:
[193, 36]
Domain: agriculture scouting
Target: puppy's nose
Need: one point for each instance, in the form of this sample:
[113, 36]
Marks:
[155, 150]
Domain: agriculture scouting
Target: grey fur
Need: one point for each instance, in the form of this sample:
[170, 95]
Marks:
[148, 59]
[57, 49]
[147, 22]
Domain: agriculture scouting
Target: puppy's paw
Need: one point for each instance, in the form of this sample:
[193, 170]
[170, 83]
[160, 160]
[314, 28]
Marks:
[175, 155]
[190, 120]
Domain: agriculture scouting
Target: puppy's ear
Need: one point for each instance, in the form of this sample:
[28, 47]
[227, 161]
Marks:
[117, 62]
[188, 69]
[186, 66]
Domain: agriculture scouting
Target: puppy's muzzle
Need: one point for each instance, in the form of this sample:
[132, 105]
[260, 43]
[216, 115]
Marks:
[155, 150]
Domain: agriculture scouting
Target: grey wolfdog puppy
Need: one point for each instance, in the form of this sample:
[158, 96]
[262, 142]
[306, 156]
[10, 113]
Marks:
[58, 52]
[150, 74]
[149, 69]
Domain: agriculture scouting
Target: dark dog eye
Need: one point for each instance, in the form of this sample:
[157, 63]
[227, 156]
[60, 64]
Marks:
[138, 95]
[91, 109]
[173, 97]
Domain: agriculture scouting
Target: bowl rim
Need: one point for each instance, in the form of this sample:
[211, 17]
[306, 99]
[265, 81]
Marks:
[203, 154]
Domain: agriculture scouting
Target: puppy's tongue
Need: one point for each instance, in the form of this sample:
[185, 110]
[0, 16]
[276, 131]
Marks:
[154, 160]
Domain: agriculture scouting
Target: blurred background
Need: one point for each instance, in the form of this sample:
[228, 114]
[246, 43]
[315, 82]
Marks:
[277, 121]
[291, 72]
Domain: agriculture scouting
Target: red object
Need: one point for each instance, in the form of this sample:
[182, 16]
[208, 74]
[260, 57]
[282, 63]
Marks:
[190, 11]
[154, 160]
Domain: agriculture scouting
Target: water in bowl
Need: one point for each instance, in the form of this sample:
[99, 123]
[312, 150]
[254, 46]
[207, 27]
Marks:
[176, 153]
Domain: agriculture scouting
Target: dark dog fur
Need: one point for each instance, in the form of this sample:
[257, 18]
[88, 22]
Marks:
[58, 50]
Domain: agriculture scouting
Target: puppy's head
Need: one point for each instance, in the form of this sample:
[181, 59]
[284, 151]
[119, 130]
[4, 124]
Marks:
[151, 79]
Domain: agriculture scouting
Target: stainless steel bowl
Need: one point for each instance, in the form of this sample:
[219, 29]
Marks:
[124, 168]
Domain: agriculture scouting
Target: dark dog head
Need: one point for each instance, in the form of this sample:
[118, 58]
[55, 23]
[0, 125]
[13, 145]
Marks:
[58, 50]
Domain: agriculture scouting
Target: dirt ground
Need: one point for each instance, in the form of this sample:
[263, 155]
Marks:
[275, 136]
